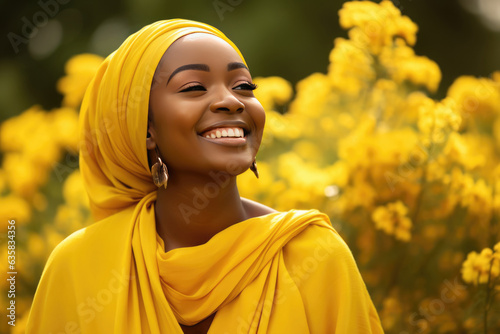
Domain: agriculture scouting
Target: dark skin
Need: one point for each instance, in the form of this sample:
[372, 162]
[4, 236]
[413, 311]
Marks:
[202, 91]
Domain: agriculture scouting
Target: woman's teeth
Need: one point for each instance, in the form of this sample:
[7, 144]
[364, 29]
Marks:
[225, 133]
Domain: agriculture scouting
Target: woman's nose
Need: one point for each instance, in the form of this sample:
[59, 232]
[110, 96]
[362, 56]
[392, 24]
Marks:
[225, 101]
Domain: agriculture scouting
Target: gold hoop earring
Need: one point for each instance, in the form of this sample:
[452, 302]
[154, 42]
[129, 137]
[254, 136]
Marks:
[159, 172]
[253, 168]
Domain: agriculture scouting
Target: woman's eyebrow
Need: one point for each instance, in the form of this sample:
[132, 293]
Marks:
[236, 65]
[199, 67]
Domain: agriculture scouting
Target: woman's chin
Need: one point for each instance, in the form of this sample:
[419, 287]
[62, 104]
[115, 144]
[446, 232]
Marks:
[233, 166]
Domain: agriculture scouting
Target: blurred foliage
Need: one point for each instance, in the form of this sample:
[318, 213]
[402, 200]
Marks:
[411, 182]
[287, 38]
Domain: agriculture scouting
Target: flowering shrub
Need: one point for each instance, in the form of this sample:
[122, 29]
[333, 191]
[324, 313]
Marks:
[412, 183]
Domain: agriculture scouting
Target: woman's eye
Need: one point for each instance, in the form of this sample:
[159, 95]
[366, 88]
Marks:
[193, 88]
[246, 86]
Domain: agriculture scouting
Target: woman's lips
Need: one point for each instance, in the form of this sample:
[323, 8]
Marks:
[230, 136]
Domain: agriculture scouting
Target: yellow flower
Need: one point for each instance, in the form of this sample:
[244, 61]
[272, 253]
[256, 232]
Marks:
[403, 65]
[32, 134]
[353, 148]
[351, 68]
[393, 220]
[272, 91]
[378, 23]
[17, 132]
[345, 119]
[496, 248]
[65, 123]
[312, 93]
[360, 195]
[476, 268]
[74, 192]
[391, 312]
[13, 208]
[23, 175]
[496, 262]
[435, 122]
[478, 200]
[475, 98]
[365, 148]
[303, 176]
[280, 126]
[340, 173]
[460, 184]
[458, 149]
[495, 266]
[413, 103]
[307, 149]
[36, 247]
[385, 100]
[80, 70]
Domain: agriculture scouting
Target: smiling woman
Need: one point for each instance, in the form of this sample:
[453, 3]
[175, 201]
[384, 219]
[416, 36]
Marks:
[175, 248]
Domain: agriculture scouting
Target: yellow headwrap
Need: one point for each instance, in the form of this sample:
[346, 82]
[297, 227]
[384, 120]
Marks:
[286, 272]
[114, 116]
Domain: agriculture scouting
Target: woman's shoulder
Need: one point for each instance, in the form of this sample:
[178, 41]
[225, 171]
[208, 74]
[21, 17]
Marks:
[318, 238]
[319, 242]
[90, 241]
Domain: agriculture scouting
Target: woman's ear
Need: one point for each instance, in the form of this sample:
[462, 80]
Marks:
[151, 136]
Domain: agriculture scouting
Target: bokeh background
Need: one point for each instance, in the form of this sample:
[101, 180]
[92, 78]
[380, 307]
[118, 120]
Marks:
[287, 38]
[397, 141]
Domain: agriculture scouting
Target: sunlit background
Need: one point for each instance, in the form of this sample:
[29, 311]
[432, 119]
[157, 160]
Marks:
[288, 38]
[394, 134]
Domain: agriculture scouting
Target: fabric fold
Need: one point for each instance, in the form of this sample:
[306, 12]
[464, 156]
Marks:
[199, 280]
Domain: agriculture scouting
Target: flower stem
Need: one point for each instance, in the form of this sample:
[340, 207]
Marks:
[488, 298]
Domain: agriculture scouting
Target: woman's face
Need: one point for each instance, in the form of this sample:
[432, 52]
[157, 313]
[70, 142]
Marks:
[203, 113]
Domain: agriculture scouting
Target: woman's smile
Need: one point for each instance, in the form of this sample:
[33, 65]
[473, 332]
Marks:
[224, 133]
[229, 133]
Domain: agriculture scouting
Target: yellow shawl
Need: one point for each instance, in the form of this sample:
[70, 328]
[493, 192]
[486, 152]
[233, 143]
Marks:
[279, 273]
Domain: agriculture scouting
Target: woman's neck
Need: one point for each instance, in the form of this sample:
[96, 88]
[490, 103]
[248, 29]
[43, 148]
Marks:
[194, 208]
